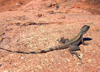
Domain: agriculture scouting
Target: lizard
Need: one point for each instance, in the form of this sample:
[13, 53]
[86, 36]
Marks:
[73, 44]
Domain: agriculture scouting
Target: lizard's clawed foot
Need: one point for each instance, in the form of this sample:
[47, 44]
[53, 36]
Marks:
[85, 44]
[63, 40]
[78, 56]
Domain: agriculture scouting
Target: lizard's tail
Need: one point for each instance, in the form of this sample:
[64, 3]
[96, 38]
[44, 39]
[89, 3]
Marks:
[31, 52]
[35, 52]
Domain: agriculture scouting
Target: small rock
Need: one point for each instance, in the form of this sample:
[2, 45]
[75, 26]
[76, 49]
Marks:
[51, 12]
[39, 15]
[9, 9]
[0, 65]
[2, 33]
[22, 57]
[18, 3]
[1, 39]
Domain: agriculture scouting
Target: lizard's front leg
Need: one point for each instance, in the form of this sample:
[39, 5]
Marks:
[83, 42]
[73, 49]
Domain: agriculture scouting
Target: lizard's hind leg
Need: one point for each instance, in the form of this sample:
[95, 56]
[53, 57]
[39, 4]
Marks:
[63, 40]
[73, 49]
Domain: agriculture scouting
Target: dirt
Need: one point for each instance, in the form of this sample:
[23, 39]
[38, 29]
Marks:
[10, 5]
[32, 25]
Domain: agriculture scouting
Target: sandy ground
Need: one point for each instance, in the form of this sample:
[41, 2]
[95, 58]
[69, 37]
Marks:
[34, 25]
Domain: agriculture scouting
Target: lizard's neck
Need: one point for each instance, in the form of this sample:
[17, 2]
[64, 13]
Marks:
[76, 38]
[80, 34]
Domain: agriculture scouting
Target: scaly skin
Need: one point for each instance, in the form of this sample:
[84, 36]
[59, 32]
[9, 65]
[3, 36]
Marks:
[73, 44]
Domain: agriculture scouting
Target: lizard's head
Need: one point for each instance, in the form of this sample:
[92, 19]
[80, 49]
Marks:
[85, 28]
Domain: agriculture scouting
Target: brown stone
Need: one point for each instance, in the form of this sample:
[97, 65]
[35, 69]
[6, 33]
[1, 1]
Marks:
[1, 39]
